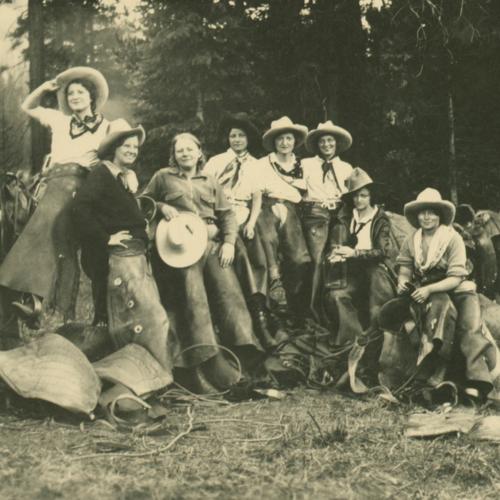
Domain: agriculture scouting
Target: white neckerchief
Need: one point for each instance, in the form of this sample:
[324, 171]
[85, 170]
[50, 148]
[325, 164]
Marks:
[438, 245]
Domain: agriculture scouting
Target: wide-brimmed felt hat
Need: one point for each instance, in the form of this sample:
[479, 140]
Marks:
[394, 313]
[342, 137]
[429, 198]
[181, 241]
[82, 73]
[118, 130]
[281, 126]
[241, 121]
[358, 179]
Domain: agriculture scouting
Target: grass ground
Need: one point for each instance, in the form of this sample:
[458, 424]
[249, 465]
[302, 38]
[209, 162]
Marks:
[309, 445]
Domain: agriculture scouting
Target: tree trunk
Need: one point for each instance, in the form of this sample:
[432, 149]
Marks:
[37, 77]
[199, 105]
[452, 159]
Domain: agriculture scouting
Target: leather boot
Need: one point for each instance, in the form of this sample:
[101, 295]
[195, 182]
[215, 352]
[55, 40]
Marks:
[260, 324]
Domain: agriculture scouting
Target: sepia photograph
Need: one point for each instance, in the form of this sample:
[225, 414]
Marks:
[249, 249]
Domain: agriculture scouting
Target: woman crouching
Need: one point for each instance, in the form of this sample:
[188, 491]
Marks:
[202, 293]
[113, 232]
[432, 273]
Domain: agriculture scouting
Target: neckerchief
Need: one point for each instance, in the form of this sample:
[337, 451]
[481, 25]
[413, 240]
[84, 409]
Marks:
[78, 127]
[438, 245]
[357, 225]
[231, 173]
[295, 173]
[327, 166]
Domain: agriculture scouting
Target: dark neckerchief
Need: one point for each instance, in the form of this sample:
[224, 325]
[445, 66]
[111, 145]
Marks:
[327, 166]
[78, 127]
[296, 172]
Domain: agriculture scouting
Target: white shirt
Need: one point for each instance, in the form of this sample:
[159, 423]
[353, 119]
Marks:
[65, 149]
[246, 184]
[364, 234]
[274, 184]
[327, 190]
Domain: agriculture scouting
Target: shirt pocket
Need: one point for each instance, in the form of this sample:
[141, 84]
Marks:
[174, 199]
[207, 200]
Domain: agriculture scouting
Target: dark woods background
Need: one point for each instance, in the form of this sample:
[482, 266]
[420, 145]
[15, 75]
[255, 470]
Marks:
[415, 81]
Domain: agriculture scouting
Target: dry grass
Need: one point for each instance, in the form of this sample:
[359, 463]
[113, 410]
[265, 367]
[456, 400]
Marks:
[312, 444]
[309, 445]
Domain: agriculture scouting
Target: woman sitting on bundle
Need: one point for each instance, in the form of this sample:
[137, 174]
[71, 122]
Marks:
[445, 306]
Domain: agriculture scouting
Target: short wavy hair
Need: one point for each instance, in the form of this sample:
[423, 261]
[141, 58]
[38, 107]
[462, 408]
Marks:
[187, 135]
[89, 86]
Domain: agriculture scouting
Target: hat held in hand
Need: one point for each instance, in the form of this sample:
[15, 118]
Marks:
[181, 241]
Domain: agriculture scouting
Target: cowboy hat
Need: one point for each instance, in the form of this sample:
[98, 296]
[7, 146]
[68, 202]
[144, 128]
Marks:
[181, 241]
[281, 126]
[357, 180]
[429, 198]
[242, 122]
[53, 369]
[342, 136]
[119, 129]
[394, 313]
[82, 73]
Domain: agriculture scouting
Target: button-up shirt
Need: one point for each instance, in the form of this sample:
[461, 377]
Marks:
[324, 188]
[200, 194]
[219, 166]
[274, 184]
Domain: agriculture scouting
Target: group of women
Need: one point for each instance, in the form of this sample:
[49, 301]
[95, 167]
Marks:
[232, 232]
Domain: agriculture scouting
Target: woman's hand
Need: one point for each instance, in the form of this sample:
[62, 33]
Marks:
[249, 230]
[51, 86]
[402, 286]
[118, 238]
[345, 252]
[421, 294]
[168, 212]
[226, 254]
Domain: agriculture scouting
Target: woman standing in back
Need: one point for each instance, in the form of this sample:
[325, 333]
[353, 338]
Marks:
[42, 264]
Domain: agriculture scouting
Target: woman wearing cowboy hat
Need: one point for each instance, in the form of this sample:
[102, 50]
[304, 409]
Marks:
[199, 289]
[281, 181]
[42, 263]
[432, 272]
[113, 233]
[359, 277]
[325, 175]
[235, 171]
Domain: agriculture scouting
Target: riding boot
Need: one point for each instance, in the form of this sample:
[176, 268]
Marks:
[260, 323]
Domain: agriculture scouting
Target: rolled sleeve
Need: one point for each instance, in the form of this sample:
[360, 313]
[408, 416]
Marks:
[46, 116]
[227, 225]
[406, 257]
[456, 257]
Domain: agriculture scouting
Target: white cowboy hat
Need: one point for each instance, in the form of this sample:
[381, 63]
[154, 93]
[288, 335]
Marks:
[342, 136]
[281, 126]
[119, 129]
[83, 73]
[181, 241]
[430, 198]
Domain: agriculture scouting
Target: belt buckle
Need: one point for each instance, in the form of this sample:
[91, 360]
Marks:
[330, 204]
